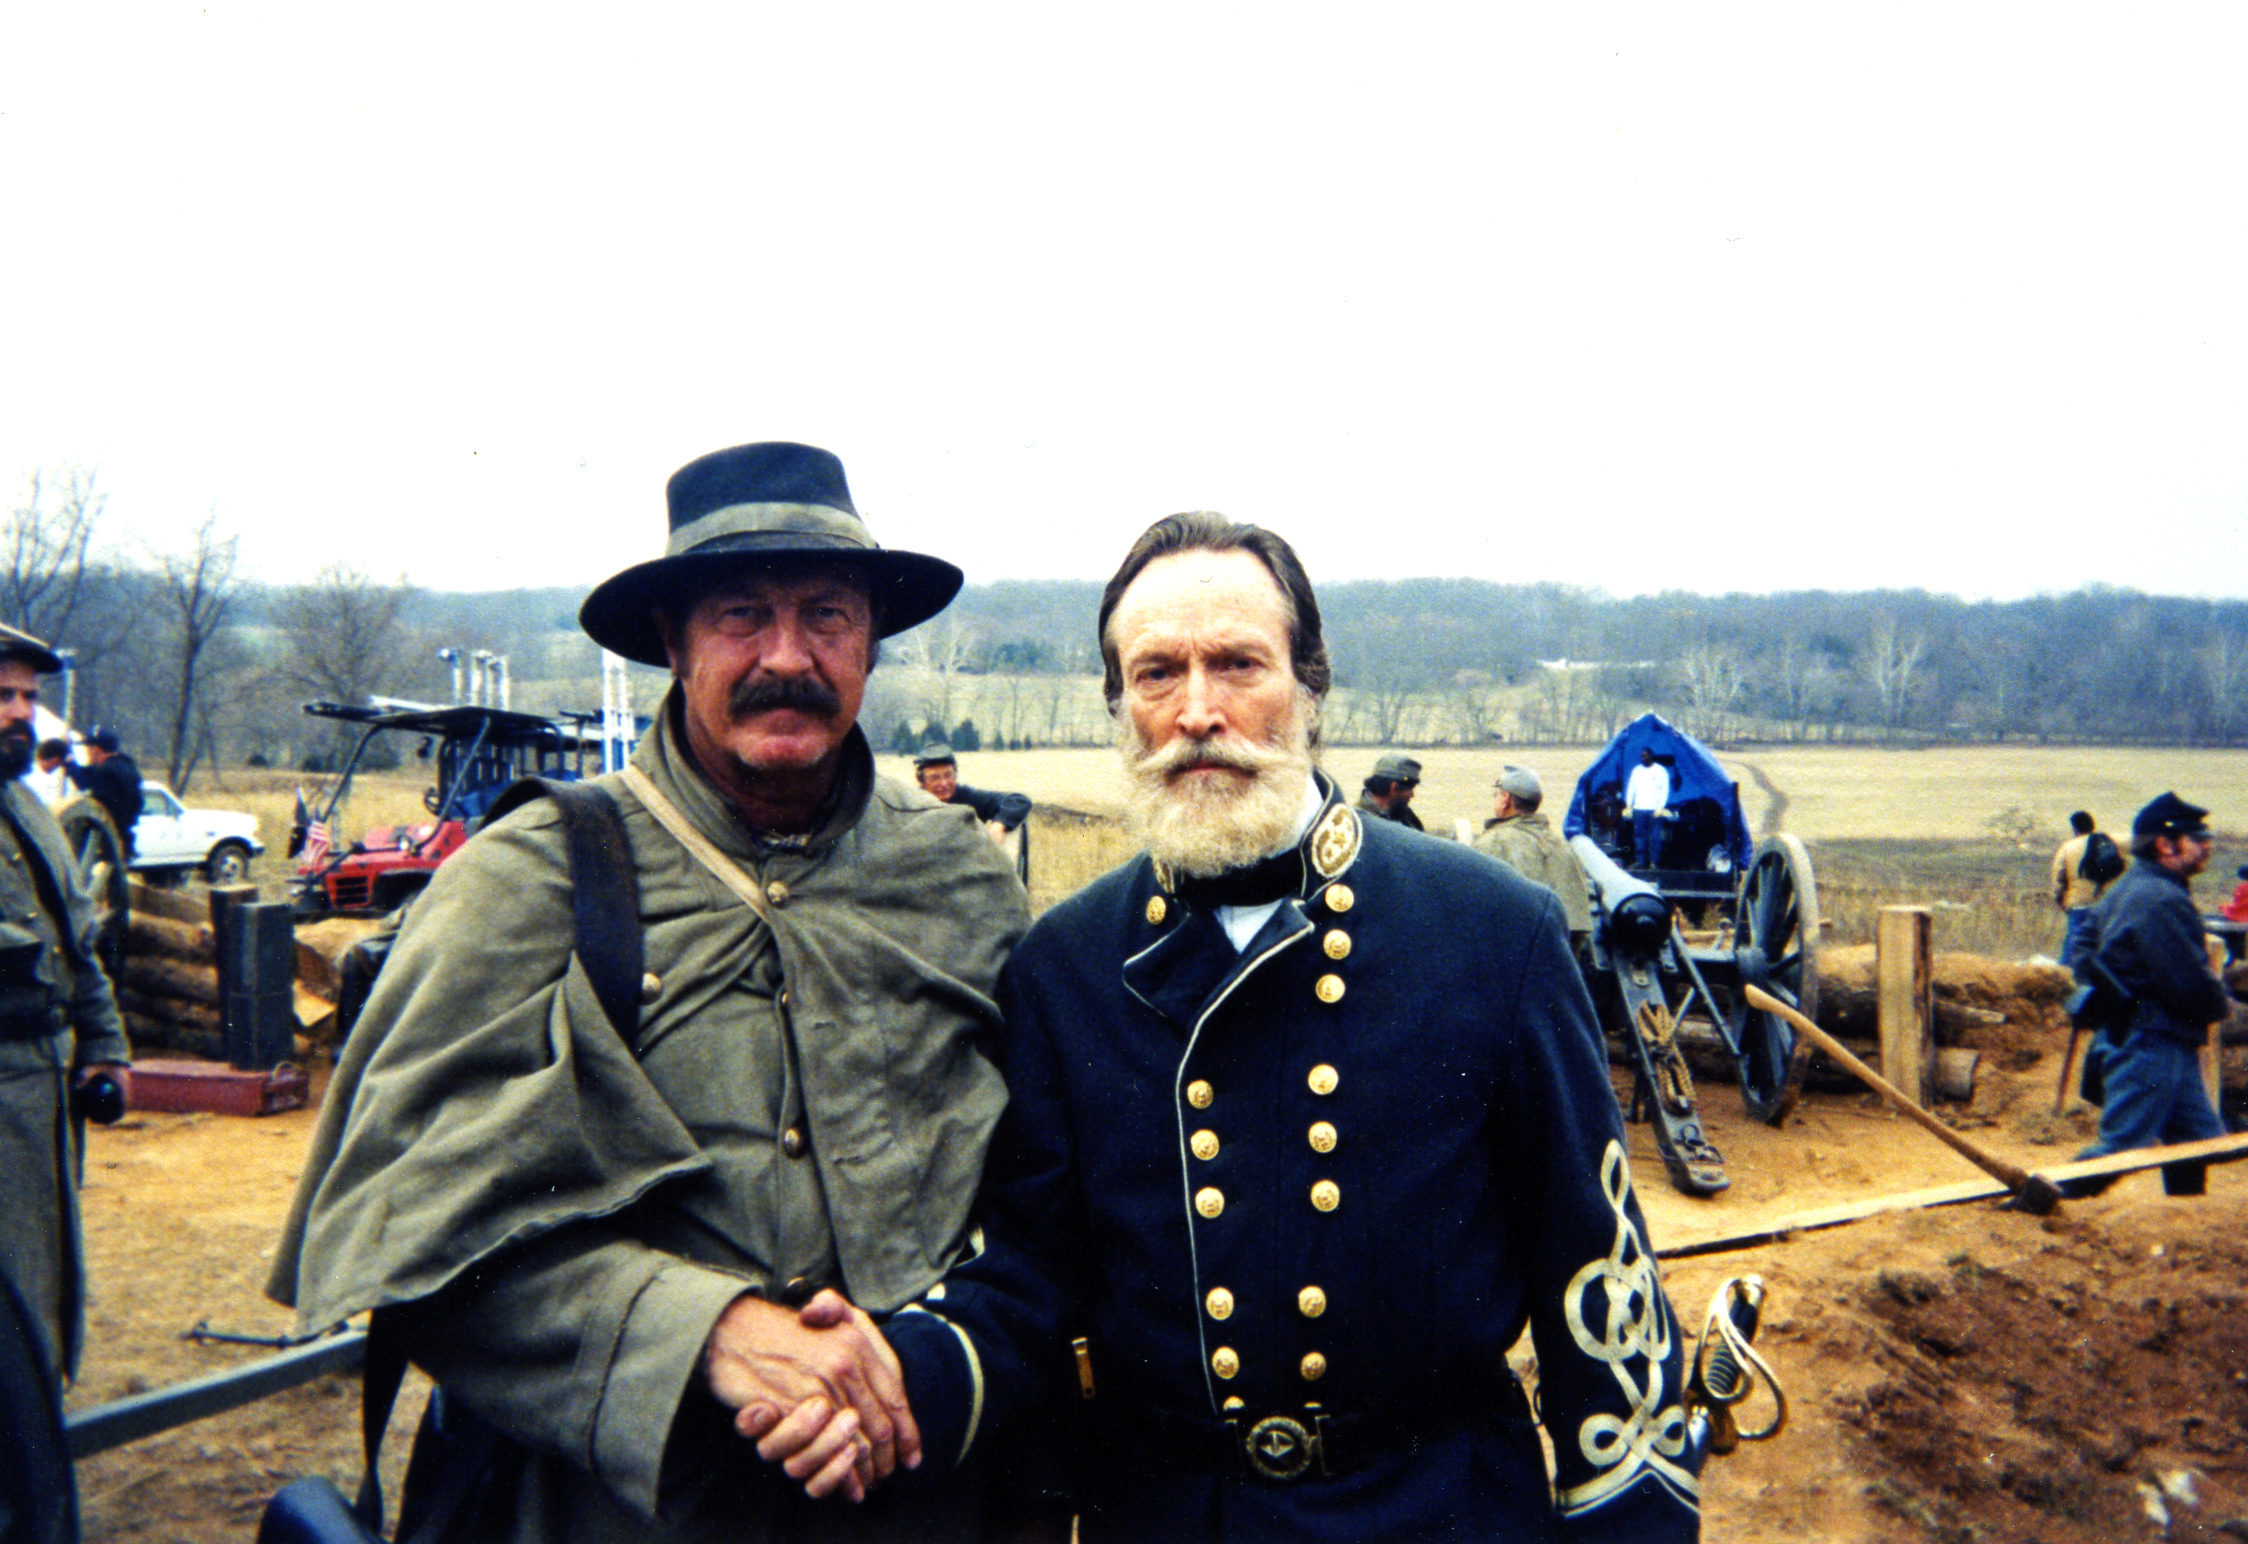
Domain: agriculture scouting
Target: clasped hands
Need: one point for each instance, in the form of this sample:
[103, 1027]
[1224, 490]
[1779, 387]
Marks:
[818, 1390]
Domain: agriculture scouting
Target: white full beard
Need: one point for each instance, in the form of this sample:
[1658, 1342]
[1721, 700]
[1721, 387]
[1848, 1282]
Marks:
[1202, 826]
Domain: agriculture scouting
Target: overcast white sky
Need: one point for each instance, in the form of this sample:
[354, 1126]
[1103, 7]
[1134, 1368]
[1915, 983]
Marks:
[1712, 297]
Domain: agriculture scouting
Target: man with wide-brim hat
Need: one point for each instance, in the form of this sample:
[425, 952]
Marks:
[2146, 940]
[604, 1250]
[60, 1031]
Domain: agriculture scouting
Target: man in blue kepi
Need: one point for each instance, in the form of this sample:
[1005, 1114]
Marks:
[2146, 939]
[1297, 1153]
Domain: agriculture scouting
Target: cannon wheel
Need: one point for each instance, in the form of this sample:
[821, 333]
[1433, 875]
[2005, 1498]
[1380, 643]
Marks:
[100, 858]
[1776, 945]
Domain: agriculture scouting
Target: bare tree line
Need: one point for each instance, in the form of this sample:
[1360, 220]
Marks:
[199, 669]
[1454, 661]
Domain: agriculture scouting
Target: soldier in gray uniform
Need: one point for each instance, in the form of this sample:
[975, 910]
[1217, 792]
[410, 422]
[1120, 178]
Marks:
[599, 1247]
[1525, 841]
[59, 1027]
[1389, 788]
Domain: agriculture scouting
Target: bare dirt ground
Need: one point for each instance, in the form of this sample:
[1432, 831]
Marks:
[1956, 1374]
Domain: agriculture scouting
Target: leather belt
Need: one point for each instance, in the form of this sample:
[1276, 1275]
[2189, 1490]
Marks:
[1289, 1445]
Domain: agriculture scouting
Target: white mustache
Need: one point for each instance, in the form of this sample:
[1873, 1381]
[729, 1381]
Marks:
[1234, 754]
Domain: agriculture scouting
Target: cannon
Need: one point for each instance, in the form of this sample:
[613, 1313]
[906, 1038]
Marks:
[1671, 944]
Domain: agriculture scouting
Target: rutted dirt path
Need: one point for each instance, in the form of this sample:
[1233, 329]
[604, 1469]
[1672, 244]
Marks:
[1771, 821]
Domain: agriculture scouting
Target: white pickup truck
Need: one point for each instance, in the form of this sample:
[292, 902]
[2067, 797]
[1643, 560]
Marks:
[171, 841]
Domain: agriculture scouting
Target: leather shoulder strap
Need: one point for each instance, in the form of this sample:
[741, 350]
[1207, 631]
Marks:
[604, 891]
[725, 869]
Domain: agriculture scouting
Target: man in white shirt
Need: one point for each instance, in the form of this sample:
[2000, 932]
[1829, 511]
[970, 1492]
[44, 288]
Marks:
[1646, 795]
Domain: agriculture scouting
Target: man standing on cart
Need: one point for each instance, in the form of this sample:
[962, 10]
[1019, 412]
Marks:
[1646, 797]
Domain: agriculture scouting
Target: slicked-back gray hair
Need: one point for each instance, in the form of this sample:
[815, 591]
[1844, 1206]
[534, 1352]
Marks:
[1205, 530]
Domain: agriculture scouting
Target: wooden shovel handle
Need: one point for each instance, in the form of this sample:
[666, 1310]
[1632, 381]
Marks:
[1990, 1163]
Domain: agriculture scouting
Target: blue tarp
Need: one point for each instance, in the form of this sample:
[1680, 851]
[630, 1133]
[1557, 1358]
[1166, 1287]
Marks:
[1694, 774]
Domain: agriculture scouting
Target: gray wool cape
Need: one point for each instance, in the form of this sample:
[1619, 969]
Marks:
[63, 1017]
[566, 1216]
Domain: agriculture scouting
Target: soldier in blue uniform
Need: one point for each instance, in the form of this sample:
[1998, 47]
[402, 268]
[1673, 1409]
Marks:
[1308, 1118]
[2148, 938]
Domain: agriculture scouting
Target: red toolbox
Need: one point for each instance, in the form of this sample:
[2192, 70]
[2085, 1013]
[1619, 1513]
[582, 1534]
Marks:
[217, 1088]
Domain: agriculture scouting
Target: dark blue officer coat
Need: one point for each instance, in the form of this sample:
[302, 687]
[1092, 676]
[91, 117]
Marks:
[1299, 1200]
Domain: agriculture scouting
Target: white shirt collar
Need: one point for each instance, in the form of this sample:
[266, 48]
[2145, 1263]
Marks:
[1241, 922]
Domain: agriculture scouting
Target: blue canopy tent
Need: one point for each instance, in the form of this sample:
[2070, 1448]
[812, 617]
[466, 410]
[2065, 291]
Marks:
[1703, 796]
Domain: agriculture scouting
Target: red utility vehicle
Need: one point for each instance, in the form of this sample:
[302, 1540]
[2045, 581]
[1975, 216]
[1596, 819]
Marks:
[475, 752]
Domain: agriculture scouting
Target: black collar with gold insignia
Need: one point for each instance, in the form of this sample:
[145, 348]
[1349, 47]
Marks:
[1326, 849]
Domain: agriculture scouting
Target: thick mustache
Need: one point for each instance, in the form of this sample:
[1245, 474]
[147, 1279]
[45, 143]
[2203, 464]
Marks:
[801, 694]
[1235, 755]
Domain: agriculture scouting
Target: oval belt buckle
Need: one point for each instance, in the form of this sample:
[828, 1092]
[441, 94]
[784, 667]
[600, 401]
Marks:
[1279, 1447]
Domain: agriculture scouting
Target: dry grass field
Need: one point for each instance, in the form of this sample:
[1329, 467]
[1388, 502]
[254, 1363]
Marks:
[1830, 793]
[1968, 830]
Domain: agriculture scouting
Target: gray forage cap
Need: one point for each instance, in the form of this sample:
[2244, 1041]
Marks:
[1520, 783]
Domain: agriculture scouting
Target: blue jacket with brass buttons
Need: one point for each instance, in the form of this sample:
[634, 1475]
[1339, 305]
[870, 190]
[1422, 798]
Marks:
[1299, 1199]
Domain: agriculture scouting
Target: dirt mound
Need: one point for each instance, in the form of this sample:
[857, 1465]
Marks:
[1953, 1373]
[2011, 1010]
[2076, 1395]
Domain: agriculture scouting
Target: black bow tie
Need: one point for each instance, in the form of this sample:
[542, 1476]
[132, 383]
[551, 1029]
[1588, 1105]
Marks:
[1253, 884]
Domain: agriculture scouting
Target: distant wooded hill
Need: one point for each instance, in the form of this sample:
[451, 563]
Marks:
[1417, 662]
[1429, 661]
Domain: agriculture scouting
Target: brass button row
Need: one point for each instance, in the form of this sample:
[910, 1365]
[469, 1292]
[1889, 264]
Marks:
[1336, 944]
[1209, 1201]
[1322, 1080]
[1311, 1302]
[1156, 910]
[1226, 1363]
[1339, 899]
[792, 1142]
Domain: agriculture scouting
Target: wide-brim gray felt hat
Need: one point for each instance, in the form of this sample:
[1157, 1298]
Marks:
[733, 508]
[17, 644]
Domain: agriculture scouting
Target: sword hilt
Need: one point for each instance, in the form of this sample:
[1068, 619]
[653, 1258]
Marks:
[1726, 1368]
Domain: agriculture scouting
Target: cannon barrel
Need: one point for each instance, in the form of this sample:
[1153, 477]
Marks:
[1638, 916]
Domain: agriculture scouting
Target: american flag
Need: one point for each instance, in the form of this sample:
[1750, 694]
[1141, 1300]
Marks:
[308, 838]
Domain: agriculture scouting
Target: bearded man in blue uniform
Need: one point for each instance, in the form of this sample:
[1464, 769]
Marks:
[1309, 1117]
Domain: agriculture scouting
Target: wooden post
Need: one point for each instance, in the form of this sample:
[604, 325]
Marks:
[2212, 1046]
[1903, 966]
